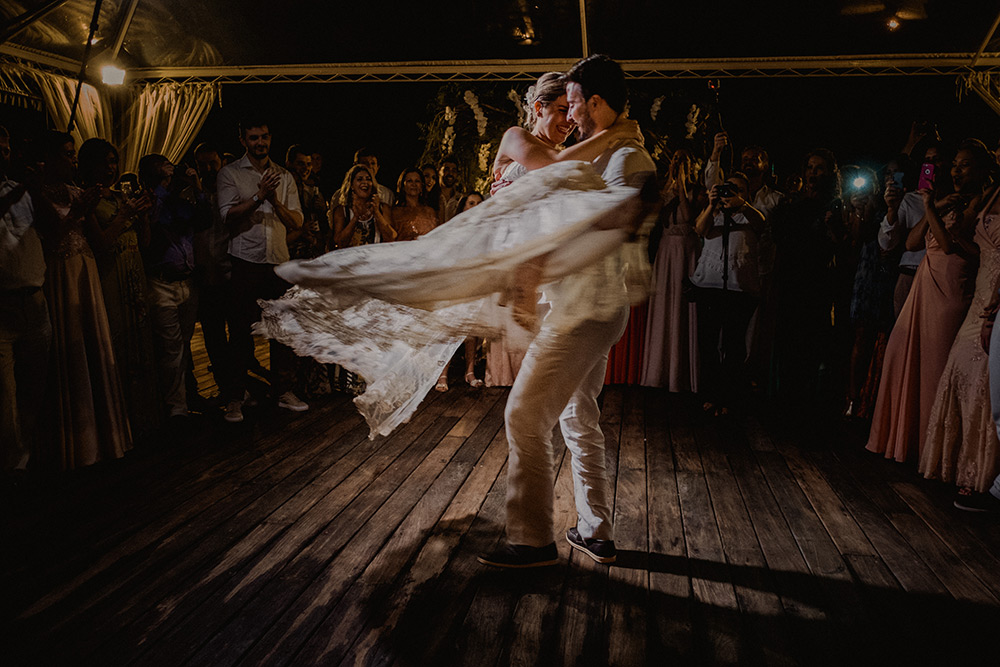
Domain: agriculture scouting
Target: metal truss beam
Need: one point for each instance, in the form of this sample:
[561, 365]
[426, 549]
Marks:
[26, 57]
[948, 64]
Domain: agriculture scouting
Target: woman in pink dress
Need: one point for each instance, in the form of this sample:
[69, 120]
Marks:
[961, 442]
[918, 346]
[670, 358]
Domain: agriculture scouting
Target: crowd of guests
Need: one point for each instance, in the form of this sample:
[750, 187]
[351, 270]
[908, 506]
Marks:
[840, 287]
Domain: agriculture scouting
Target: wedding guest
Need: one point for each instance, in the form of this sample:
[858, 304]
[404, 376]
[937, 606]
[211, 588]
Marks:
[25, 331]
[411, 216]
[368, 158]
[961, 444]
[260, 204]
[86, 417]
[807, 229]
[213, 275]
[871, 314]
[727, 281]
[119, 227]
[170, 266]
[918, 347]
[670, 358]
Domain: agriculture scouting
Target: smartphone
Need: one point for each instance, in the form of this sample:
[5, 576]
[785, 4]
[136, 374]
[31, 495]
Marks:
[897, 179]
[926, 180]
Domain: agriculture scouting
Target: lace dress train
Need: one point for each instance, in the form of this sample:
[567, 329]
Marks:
[396, 312]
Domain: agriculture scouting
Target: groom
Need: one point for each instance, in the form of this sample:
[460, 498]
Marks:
[563, 370]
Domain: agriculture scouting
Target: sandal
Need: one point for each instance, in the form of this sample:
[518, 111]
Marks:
[442, 384]
[473, 381]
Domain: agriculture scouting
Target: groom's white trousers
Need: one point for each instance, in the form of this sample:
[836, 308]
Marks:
[560, 379]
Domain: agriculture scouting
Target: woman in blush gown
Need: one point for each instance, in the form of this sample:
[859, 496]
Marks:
[395, 313]
[919, 344]
[84, 395]
[670, 358]
[961, 442]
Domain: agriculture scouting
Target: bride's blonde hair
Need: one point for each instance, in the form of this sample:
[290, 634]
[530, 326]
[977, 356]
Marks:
[549, 88]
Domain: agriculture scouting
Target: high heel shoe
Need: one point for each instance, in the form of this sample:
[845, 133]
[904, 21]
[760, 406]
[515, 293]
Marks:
[442, 384]
[473, 381]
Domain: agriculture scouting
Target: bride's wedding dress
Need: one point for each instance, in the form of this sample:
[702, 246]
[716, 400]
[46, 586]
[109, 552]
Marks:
[396, 312]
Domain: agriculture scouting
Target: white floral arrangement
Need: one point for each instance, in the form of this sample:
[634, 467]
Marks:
[448, 140]
[522, 110]
[485, 150]
[654, 108]
[473, 101]
[691, 124]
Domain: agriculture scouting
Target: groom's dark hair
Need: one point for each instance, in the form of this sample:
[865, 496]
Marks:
[600, 75]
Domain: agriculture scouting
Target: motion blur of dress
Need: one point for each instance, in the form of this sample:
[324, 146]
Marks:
[918, 349]
[670, 358]
[961, 441]
[88, 422]
[396, 312]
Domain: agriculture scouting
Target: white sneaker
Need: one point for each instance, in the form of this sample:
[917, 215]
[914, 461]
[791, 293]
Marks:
[290, 401]
[234, 412]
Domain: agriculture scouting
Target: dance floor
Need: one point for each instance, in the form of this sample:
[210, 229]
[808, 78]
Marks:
[296, 540]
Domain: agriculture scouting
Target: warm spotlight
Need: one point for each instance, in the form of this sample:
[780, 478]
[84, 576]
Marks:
[112, 76]
[893, 23]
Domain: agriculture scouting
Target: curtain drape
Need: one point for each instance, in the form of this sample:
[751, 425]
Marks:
[160, 118]
[93, 114]
[164, 118]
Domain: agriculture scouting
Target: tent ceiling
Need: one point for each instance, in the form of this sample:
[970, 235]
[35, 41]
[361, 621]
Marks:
[254, 33]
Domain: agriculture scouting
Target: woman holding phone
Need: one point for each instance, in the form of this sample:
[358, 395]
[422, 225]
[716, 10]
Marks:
[961, 443]
[918, 346]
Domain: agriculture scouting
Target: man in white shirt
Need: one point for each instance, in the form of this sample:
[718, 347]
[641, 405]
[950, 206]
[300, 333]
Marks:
[259, 203]
[904, 211]
[563, 370]
[25, 331]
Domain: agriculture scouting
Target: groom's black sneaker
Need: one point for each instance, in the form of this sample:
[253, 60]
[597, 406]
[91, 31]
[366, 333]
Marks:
[521, 556]
[602, 551]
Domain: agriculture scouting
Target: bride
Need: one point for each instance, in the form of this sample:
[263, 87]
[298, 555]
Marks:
[396, 312]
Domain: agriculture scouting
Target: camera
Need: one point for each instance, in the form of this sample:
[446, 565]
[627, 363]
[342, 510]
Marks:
[728, 190]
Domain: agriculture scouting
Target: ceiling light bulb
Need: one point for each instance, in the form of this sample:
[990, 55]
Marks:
[893, 23]
[112, 76]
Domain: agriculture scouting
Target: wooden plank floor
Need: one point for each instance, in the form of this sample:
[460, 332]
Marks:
[295, 540]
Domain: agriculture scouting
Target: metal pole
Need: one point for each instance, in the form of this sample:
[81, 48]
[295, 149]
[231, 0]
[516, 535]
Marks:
[83, 65]
[583, 27]
[127, 14]
[986, 41]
